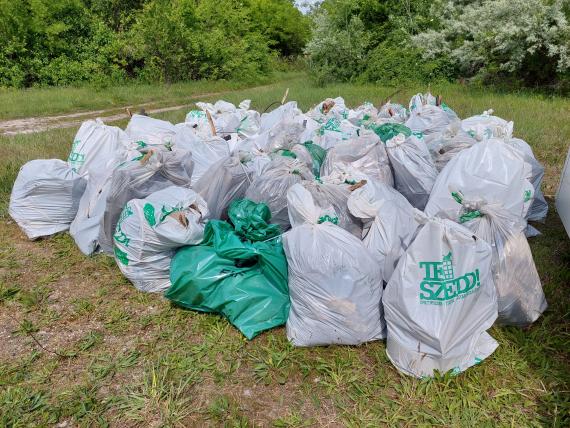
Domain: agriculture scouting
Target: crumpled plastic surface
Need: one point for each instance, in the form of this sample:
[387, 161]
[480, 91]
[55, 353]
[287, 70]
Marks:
[45, 197]
[389, 221]
[360, 158]
[244, 280]
[271, 187]
[490, 168]
[149, 230]
[226, 180]
[137, 179]
[414, 171]
[334, 282]
[440, 301]
[520, 297]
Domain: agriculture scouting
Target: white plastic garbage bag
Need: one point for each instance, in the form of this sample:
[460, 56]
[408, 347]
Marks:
[147, 131]
[363, 114]
[446, 144]
[149, 230]
[539, 208]
[137, 179]
[271, 187]
[285, 112]
[486, 126]
[45, 197]
[389, 222]
[393, 111]
[94, 146]
[429, 119]
[365, 154]
[414, 171]
[329, 108]
[197, 120]
[440, 301]
[334, 131]
[206, 150]
[520, 297]
[334, 282]
[490, 168]
[85, 227]
[331, 194]
[226, 180]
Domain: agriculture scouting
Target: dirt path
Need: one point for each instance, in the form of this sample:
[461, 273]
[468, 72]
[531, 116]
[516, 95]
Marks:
[30, 125]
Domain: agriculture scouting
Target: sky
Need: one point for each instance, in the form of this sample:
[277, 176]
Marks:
[301, 3]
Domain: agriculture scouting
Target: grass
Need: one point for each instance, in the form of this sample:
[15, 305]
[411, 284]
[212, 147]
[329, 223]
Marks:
[54, 100]
[113, 356]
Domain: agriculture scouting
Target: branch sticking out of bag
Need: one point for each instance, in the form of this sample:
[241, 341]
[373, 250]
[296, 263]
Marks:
[285, 96]
[211, 122]
[357, 185]
[181, 217]
[327, 106]
[146, 157]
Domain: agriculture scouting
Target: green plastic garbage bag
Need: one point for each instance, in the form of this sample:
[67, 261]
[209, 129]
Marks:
[251, 220]
[243, 279]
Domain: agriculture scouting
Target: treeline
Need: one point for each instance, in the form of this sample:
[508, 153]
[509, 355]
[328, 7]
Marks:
[60, 42]
[517, 42]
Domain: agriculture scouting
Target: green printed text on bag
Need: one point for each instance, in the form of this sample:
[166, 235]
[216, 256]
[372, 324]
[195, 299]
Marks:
[76, 159]
[440, 286]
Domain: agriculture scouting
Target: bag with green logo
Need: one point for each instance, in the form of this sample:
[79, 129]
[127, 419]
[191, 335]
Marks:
[334, 281]
[148, 132]
[491, 169]
[360, 158]
[271, 187]
[327, 194]
[389, 220]
[440, 301]
[486, 126]
[239, 271]
[149, 230]
[95, 148]
[137, 179]
[520, 297]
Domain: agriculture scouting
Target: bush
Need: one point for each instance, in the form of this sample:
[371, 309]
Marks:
[337, 52]
[395, 61]
[497, 40]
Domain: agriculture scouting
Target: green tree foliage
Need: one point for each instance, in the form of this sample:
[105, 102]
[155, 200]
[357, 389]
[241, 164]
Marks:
[522, 41]
[59, 42]
[370, 40]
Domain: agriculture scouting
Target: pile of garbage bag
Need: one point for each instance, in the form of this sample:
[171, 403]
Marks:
[346, 225]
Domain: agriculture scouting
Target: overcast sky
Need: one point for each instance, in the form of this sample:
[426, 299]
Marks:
[300, 3]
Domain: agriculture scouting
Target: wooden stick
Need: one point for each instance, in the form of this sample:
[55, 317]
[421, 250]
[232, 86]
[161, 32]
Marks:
[211, 122]
[146, 157]
[285, 96]
[357, 185]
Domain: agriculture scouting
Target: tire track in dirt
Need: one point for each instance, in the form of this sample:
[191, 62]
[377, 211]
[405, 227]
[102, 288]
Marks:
[32, 125]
